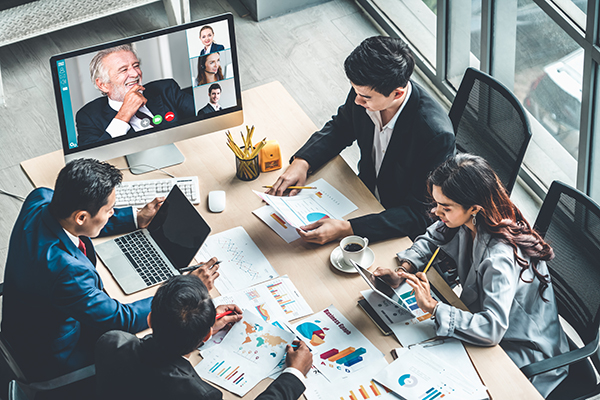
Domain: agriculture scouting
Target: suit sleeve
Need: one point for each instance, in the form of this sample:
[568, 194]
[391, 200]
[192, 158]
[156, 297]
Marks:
[88, 129]
[121, 222]
[409, 218]
[285, 387]
[336, 135]
[76, 292]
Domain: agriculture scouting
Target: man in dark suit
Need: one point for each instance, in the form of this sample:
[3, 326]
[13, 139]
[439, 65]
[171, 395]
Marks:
[157, 366]
[402, 132]
[126, 105]
[54, 306]
[214, 94]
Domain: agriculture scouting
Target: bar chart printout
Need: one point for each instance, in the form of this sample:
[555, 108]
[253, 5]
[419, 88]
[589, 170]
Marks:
[247, 355]
[339, 349]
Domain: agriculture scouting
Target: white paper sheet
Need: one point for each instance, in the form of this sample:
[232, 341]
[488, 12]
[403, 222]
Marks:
[311, 205]
[247, 355]
[242, 262]
[332, 338]
[419, 374]
[269, 216]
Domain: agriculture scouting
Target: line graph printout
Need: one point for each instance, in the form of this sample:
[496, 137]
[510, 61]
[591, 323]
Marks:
[247, 355]
[242, 262]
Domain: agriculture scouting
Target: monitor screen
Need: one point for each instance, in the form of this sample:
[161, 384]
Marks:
[148, 90]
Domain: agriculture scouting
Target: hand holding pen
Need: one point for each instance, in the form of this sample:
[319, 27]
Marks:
[207, 272]
[226, 314]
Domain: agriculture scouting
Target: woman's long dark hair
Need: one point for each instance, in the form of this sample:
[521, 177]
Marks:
[201, 77]
[469, 180]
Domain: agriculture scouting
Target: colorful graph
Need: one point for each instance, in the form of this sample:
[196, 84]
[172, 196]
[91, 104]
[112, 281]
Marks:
[229, 373]
[315, 216]
[431, 394]
[252, 294]
[411, 302]
[263, 312]
[408, 380]
[313, 332]
[347, 357]
[279, 220]
[283, 299]
[363, 392]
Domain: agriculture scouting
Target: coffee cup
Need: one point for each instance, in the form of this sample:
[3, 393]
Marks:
[353, 248]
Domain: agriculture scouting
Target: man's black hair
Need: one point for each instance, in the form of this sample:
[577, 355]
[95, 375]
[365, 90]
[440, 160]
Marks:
[83, 184]
[182, 314]
[213, 87]
[381, 63]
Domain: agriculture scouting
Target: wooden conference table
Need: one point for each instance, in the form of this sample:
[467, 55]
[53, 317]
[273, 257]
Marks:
[276, 115]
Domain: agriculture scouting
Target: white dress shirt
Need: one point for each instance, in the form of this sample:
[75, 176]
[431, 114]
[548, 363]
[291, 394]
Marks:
[118, 127]
[383, 134]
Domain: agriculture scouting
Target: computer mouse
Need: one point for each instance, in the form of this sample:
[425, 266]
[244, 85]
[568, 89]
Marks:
[216, 201]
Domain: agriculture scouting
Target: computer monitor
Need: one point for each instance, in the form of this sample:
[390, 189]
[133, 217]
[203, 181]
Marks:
[191, 86]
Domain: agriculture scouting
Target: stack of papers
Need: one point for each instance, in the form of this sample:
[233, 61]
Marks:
[285, 214]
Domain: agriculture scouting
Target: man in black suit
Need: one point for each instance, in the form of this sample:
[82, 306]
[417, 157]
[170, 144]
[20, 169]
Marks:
[156, 367]
[403, 135]
[126, 105]
[214, 94]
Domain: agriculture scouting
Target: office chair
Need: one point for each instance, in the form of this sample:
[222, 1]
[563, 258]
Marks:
[10, 373]
[569, 221]
[490, 122]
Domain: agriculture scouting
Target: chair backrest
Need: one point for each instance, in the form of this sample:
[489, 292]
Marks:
[490, 122]
[15, 392]
[569, 221]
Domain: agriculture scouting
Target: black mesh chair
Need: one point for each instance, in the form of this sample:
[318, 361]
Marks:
[490, 122]
[569, 221]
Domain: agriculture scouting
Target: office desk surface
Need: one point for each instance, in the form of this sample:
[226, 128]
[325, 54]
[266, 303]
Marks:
[277, 116]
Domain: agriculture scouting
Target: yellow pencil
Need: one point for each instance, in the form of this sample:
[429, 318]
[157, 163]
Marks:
[435, 253]
[292, 187]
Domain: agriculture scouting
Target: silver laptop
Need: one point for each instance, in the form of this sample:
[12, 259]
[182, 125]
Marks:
[150, 256]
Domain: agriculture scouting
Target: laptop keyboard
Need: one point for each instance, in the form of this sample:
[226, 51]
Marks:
[146, 261]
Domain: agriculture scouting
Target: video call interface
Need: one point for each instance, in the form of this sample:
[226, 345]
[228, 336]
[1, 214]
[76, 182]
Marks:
[186, 76]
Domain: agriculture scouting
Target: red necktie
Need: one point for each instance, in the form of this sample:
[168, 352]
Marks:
[82, 247]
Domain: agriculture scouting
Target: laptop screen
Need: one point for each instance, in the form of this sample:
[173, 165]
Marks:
[178, 229]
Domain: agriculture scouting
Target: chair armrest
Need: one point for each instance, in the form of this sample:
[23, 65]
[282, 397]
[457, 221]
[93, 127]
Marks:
[561, 360]
[64, 380]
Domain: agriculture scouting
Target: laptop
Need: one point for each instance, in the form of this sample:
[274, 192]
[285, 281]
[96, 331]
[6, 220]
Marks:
[150, 256]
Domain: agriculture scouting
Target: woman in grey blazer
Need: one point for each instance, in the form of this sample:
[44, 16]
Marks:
[499, 260]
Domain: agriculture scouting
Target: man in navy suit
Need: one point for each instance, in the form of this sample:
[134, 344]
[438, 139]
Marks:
[157, 366]
[127, 106]
[402, 132]
[54, 306]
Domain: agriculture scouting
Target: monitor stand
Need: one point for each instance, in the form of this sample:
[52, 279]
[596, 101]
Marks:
[152, 159]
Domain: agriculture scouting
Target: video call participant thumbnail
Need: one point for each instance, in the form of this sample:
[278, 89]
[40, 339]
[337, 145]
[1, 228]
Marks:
[403, 134]
[157, 366]
[214, 94]
[207, 35]
[127, 105]
[209, 69]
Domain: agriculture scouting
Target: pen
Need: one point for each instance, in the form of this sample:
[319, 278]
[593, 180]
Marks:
[435, 253]
[221, 315]
[292, 187]
[193, 267]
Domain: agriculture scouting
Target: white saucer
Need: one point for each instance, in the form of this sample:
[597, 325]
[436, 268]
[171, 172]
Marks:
[337, 260]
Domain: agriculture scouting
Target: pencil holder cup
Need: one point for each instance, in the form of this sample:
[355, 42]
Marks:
[247, 170]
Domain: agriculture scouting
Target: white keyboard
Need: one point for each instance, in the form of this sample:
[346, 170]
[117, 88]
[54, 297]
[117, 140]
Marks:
[140, 193]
